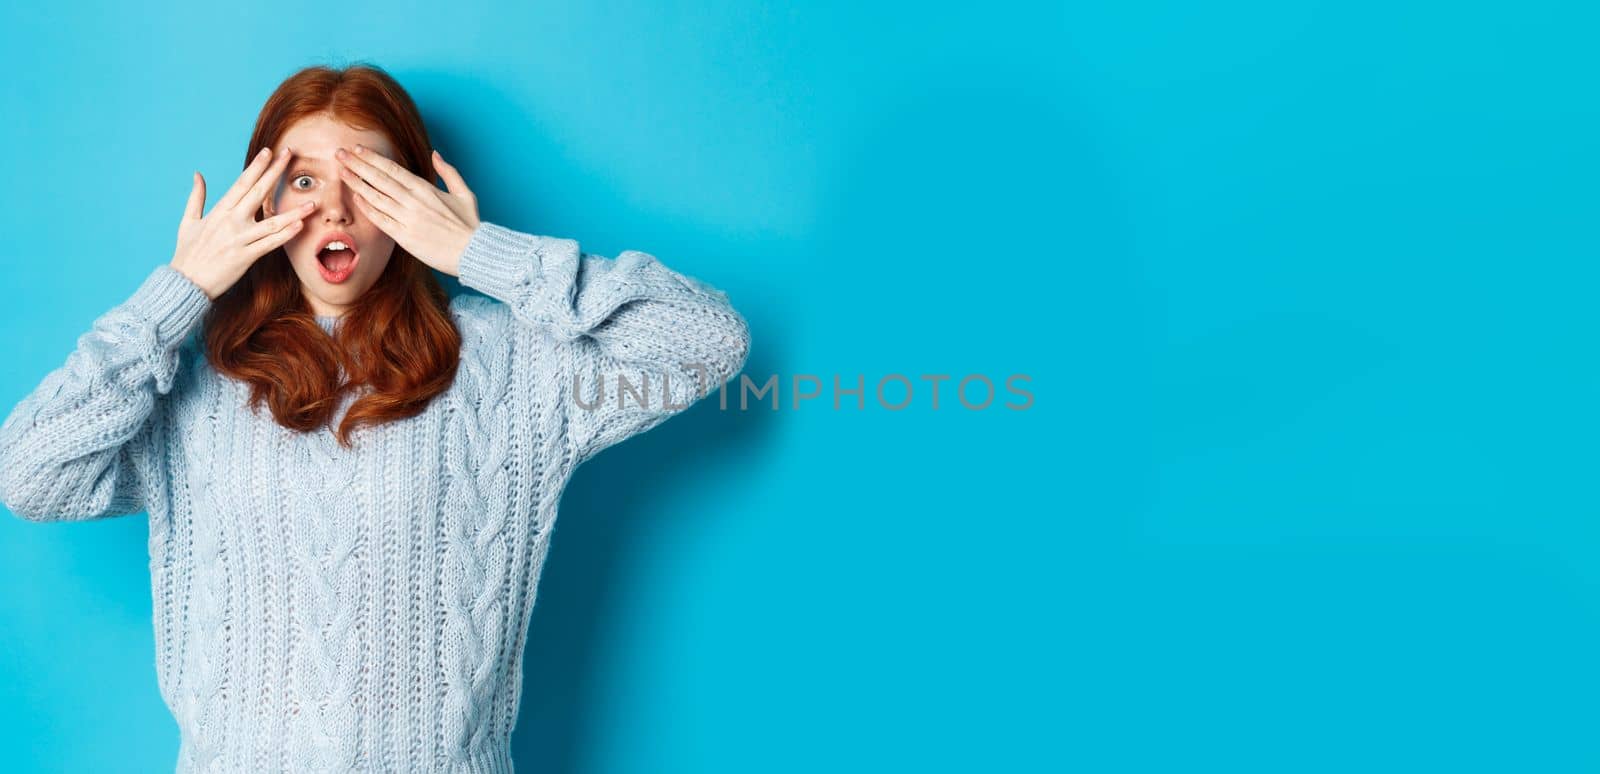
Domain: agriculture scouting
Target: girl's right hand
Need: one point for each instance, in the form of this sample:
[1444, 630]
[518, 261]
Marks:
[214, 251]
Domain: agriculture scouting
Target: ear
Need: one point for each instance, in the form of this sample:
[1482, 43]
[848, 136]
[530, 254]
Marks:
[266, 207]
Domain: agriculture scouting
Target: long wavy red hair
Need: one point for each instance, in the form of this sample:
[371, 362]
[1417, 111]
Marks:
[399, 340]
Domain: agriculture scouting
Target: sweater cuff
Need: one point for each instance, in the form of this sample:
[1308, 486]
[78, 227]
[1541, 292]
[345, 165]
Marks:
[497, 259]
[170, 302]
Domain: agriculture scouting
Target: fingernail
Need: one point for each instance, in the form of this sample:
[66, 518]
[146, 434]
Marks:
[262, 153]
[340, 153]
[361, 149]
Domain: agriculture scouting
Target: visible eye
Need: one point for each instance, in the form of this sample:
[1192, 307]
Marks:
[295, 183]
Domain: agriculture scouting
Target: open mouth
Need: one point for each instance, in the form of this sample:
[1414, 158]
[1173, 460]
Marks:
[337, 257]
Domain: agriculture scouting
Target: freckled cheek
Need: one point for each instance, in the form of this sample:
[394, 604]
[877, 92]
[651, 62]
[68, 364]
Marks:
[288, 197]
[286, 201]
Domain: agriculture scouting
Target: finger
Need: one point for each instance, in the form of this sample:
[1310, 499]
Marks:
[266, 226]
[385, 175]
[246, 179]
[196, 206]
[452, 179]
[276, 238]
[384, 220]
[376, 197]
[269, 180]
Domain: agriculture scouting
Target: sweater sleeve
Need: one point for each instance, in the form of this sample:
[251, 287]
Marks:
[76, 447]
[670, 338]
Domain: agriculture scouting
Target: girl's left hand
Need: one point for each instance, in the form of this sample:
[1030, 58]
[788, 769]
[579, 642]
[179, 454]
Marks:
[431, 224]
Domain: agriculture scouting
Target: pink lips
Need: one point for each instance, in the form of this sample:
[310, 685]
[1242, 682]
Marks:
[328, 275]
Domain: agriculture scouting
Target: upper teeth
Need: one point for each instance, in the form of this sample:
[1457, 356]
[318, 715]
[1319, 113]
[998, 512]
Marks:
[337, 245]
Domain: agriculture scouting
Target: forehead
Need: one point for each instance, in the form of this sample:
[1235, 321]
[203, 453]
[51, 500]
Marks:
[318, 136]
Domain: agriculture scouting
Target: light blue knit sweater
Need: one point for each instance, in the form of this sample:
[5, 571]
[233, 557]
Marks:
[324, 609]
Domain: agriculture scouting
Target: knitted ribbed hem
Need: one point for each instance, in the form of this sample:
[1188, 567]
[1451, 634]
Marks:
[496, 258]
[494, 758]
[171, 301]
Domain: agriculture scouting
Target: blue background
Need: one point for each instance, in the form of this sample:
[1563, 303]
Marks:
[1304, 289]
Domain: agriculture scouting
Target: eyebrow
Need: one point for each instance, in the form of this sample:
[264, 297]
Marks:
[301, 158]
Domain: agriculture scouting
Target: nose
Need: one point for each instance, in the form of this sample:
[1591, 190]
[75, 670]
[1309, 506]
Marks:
[335, 202]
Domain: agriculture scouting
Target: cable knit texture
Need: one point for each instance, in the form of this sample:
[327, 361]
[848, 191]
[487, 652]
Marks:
[328, 609]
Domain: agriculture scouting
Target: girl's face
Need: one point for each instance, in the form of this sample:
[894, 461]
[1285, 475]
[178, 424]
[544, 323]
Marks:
[313, 175]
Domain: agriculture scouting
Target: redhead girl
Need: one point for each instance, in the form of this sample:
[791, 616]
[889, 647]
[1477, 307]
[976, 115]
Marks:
[351, 477]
